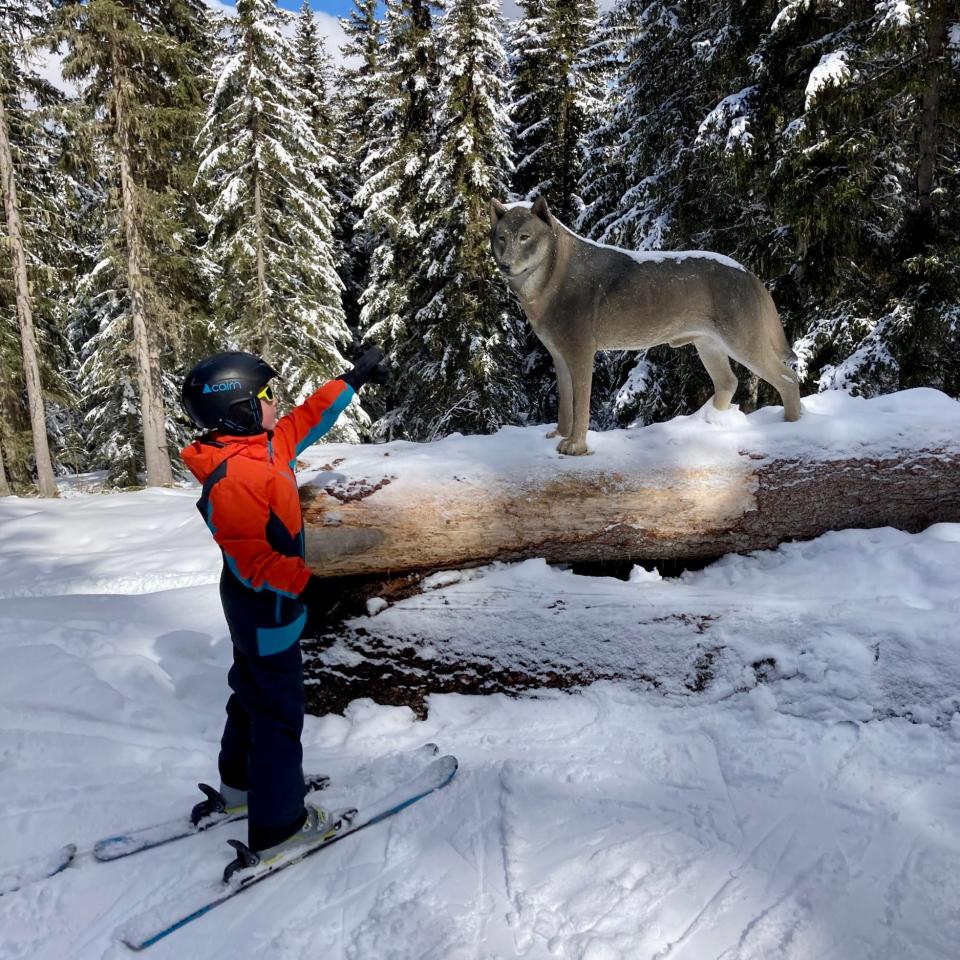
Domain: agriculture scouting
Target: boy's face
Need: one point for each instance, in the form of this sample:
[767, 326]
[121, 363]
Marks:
[268, 413]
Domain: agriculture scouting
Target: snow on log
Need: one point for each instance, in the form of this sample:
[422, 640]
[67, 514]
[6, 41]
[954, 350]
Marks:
[702, 485]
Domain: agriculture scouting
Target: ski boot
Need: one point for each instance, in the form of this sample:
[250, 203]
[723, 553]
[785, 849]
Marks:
[320, 825]
[231, 802]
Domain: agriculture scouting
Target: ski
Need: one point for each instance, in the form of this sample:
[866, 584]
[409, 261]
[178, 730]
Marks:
[37, 868]
[146, 838]
[145, 930]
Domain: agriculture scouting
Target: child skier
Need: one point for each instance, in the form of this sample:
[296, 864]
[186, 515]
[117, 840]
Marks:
[245, 461]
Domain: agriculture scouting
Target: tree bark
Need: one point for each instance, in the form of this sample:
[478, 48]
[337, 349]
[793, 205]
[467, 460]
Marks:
[260, 304]
[369, 524]
[929, 142]
[156, 456]
[5, 490]
[263, 326]
[31, 367]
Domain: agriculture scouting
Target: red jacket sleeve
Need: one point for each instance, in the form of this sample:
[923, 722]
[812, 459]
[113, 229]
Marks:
[307, 423]
[238, 512]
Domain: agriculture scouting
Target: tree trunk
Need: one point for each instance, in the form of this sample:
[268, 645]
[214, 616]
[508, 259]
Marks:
[262, 326]
[260, 304]
[28, 340]
[5, 490]
[929, 141]
[157, 459]
[388, 521]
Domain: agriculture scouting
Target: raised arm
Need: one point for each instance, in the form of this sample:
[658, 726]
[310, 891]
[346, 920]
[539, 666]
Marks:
[308, 422]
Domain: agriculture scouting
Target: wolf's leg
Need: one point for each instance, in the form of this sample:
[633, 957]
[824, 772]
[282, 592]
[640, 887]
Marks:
[774, 370]
[784, 381]
[581, 377]
[564, 396]
[717, 362]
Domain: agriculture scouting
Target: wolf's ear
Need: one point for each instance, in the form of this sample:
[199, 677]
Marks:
[541, 210]
[497, 211]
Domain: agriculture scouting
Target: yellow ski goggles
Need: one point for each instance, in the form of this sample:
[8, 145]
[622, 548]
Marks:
[266, 394]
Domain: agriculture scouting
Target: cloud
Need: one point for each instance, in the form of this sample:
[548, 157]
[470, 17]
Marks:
[333, 36]
[49, 66]
[327, 24]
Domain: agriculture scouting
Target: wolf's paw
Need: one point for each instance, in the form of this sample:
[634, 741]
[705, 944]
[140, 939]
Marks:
[572, 447]
[729, 417]
[555, 433]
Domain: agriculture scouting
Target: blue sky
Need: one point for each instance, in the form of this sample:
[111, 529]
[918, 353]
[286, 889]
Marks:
[339, 8]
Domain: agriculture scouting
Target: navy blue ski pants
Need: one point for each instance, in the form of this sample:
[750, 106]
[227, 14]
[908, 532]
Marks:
[260, 750]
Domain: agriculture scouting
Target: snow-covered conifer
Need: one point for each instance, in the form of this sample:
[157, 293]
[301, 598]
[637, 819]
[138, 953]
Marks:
[356, 98]
[555, 99]
[33, 224]
[463, 374]
[140, 65]
[276, 289]
[390, 192]
[530, 73]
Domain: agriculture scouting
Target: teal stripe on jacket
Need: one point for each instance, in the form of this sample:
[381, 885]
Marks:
[326, 421]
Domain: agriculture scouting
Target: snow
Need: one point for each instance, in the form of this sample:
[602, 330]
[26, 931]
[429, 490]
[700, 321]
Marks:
[803, 805]
[833, 426]
[832, 70]
[729, 120]
[898, 14]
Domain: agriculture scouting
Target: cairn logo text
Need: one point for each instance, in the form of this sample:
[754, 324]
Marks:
[224, 387]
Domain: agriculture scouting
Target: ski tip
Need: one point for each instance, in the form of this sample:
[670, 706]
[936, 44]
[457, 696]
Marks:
[431, 749]
[37, 868]
[445, 769]
[69, 854]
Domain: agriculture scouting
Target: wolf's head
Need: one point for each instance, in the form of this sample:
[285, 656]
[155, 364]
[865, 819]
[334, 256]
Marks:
[521, 238]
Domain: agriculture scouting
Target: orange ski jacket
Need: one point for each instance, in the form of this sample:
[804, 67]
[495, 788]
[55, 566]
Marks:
[251, 504]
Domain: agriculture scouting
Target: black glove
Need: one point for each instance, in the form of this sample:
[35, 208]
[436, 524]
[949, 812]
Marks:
[320, 597]
[370, 368]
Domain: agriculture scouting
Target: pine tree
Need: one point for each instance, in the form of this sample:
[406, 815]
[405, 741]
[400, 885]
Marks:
[140, 64]
[390, 194]
[356, 101]
[24, 164]
[853, 109]
[556, 97]
[531, 77]
[314, 77]
[465, 373]
[813, 142]
[318, 80]
[277, 292]
[603, 181]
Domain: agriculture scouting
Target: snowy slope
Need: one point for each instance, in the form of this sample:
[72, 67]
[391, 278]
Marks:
[805, 812]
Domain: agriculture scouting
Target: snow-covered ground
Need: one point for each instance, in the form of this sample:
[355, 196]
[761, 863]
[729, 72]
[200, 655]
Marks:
[804, 806]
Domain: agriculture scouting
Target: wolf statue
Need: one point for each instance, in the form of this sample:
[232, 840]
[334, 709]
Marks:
[581, 297]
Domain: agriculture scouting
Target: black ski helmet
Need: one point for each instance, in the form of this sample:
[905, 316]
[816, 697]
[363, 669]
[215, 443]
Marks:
[220, 392]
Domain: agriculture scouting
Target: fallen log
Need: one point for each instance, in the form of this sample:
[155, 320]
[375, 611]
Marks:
[697, 486]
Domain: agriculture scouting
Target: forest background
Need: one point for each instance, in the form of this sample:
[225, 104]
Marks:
[201, 181]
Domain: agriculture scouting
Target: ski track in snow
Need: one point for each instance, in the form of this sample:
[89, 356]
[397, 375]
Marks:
[811, 816]
[618, 828]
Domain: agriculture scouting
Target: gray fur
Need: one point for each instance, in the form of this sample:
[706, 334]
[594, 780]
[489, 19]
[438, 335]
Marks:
[581, 297]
